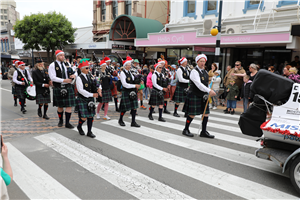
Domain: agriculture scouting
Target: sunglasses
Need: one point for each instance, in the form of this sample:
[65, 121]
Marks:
[159, 67]
[85, 67]
[237, 64]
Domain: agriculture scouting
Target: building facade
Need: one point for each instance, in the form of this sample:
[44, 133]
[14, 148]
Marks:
[8, 13]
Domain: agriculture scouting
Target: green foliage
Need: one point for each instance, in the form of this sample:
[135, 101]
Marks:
[44, 31]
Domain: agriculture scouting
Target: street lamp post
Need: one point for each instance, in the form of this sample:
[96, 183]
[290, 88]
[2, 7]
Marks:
[218, 41]
[32, 57]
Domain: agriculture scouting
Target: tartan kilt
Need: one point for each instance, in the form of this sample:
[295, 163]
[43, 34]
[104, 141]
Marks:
[194, 105]
[154, 99]
[83, 107]
[179, 95]
[106, 96]
[127, 103]
[40, 99]
[13, 90]
[167, 94]
[20, 92]
[114, 91]
[68, 101]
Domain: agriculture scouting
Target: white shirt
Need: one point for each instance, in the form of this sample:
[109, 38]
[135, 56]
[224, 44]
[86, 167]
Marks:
[180, 76]
[194, 76]
[52, 72]
[16, 75]
[80, 89]
[123, 80]
[154, 78]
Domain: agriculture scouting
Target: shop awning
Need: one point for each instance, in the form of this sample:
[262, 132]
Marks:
[5, 56]
[128, 28]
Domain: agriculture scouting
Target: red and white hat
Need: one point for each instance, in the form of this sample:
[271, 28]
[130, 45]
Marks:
[162, 62]
[21, 63]
[15, 61]
[107, 59]
[84, 64]
[103, 62]
[125, 62]
[182, 60]
[200, 56]
[57, 52]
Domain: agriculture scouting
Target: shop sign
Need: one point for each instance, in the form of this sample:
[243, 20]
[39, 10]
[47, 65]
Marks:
[117, 46]
[123, 51]
[130, 47]
[205, 49]
[25, 54]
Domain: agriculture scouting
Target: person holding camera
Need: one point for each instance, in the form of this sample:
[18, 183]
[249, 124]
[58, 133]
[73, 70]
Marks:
[87, 90]
[42, 82]
[157, 94]
[63, 91]
[5, 172]
[129, 93]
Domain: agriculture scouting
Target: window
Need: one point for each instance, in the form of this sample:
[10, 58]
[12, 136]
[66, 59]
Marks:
[7, 45]
[253, 5]
[1, 16]
[284, 3]
[210, 8]
[103, 10]
[189, 9]
[1, 10]
[5, 11]
[2, 23]
[128, 7]
[5, 17]
[115, 9]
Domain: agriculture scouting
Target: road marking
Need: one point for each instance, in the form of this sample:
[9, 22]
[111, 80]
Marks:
[216, 178]
[33, 181]
[220, 136]
[221, 152]
[5, 89]
[221, 114]
[125, 178]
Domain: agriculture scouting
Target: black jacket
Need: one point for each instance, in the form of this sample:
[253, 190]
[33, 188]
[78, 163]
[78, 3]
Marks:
[246, 92]
[40, 78]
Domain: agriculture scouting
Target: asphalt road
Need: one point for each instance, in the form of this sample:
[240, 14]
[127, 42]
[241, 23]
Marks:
[152, 162]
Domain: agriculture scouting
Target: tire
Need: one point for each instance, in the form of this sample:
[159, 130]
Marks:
[295, 173]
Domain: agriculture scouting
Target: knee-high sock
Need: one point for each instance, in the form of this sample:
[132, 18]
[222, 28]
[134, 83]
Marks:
[188, 122]
[116, 102]
[90, 124]
[141, 102]
[40, 106]
[133, 114]
[60, 116]
[68, 116]
[204, 124]
[151, 110]
[22, 102]
[160, 112]
[45, 109]
[15, 98]
[176, 107]
[105, 109]
[80, 122]
[121, 116]
[99, 107]
[165, 105]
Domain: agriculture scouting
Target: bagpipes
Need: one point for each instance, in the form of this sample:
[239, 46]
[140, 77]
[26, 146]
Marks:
[69, 68]
[165, 80]
[186, 90]
[47, 79]
[97, 61]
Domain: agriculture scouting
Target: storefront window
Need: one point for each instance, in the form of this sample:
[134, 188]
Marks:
[128, 7]
[103, 10]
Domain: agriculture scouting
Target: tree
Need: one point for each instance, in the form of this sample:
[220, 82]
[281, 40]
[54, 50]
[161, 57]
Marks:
[45, 31]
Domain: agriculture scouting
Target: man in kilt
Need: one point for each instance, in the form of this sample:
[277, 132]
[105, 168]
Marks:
[10, 75]
[87, 90]
[166, 83]
[104, 93]
[197, 96]
[129, 93]
[22, 79]
[42, 82]
[63, 91]
[182, 85]
[157, 93]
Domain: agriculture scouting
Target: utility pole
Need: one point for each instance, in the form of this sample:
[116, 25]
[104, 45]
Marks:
[218, 41]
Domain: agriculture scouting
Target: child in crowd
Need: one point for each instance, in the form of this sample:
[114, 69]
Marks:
[232, 93]
[246, 93]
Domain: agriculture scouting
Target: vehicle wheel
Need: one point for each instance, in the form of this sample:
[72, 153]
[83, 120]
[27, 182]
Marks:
[295, 173]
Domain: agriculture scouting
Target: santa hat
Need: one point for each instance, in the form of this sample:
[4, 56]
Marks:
[162, 62]
[125, 62]
[21, 63]
[83, 64]
[107, 59]
[103, 62]
[182, 60]
[129, 58]
[58, 52]
[157, 65]
[15, 61]
[200, 56]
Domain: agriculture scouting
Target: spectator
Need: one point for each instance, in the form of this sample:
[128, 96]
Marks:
[232, 94]
[246, 92]
[145, 89]
[293, 75]
[149, 81]
[211, 72]
[228, 68]
[215, 86]
[6, 173]
[272, 69]
[296, 62]
[174, 80]
[286, 72]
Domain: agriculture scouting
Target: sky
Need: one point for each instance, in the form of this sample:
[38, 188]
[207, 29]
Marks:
[80, 13]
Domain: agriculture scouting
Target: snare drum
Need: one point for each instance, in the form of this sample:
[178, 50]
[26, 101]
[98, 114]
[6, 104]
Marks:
[30, 93]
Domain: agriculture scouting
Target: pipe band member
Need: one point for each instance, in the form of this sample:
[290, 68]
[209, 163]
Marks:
[87, 90]
[22, 79]
[182, 85]
[195, 101]
[42, 83]
[129, 93]
[61, 82]
[10, 75]
[156, 96]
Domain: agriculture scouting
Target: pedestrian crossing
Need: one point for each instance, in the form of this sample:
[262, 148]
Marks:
[154, 161]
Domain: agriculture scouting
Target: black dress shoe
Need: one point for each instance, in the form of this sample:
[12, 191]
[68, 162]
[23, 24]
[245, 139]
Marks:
[24, 111]
[81, 132]
[46, 117]
[226, 112]
[150, 117]
[90, 134]
[176, 115]
[135, 125]
[69, 125]
[60, 123]
[39, 112]
[121, 123]
[166, 111]
[207, 135]
[187, 133]
[161, 119]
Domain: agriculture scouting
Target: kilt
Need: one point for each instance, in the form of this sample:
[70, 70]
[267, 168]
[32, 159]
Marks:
[83, 107]
[194, 105]
[106, 96]
[154, 99]
[127, 103]
[20, 92]
[40, 99]
[13, 90]
[114, 91]
[179, 95]
[167, 94]
[68, 101]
